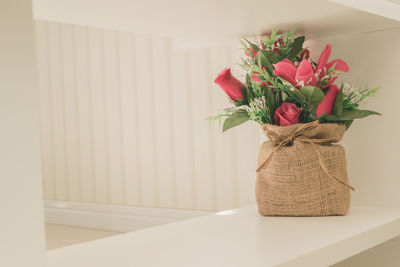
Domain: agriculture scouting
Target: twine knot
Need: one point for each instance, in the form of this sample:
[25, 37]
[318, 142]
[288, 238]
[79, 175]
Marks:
[290, 139]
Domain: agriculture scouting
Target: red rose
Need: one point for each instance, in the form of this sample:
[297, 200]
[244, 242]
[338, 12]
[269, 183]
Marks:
[287, 114]
[231, 86]
[326, 105]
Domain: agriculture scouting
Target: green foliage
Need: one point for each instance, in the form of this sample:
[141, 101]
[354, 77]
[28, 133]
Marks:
[296, 47]
[348, 123]
[338, 107]
[313, 95]
[235, 119]
[245, 100]
[272, 57]
[349, 115]
[270, 100]
[356, 114]
[296, 97]
[263, 60]
[354, 97]
[344, 111]
[264, 91]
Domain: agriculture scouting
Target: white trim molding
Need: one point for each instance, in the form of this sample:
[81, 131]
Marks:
[112, 217]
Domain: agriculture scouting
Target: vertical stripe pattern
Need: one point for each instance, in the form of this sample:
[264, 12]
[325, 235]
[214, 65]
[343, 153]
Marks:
[123, 122]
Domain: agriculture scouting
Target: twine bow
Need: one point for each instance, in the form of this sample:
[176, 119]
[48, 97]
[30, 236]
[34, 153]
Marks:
[299, 135]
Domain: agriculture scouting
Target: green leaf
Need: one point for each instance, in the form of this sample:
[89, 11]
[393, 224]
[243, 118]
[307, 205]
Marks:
[356, 114]
[291, 32]
[272, 57]
[338, 107]
[244, 44]
[278, 97]
[263, 61]
[330, 117]
[248, 79]
[299, 97]
[314, 95]
[348, 123]
[296, 47]
[245, 99]
[311, 115]
[235, 119]
[273, 34]
[254, 46]
[270, 102]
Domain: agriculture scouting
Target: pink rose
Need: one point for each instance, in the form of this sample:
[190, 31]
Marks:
[231, 86]
[287, 114]
[323, 66]
[326, 105]
[299, 77]
[305, 74]
[286, 70]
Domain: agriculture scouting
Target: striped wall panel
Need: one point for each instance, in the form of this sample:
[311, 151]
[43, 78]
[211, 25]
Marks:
[123, 122]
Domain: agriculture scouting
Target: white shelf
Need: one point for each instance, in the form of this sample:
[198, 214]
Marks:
[218, 19]
[239, 237]
[385, 8]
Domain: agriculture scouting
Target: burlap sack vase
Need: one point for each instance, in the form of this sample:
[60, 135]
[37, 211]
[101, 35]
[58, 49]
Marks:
[301, 172]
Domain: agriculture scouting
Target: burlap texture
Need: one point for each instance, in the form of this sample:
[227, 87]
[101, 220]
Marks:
[293, 183]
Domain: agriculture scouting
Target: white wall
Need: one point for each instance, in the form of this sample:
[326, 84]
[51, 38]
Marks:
[372, 144]
[123, 122]
[21, 224]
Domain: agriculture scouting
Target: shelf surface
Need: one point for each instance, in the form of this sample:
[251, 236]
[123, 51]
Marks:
[239, 237]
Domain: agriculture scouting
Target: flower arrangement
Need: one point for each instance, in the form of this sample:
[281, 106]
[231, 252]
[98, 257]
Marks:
[284, 86]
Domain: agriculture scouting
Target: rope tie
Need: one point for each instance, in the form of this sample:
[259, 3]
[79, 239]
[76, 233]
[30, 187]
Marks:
[298, 135]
